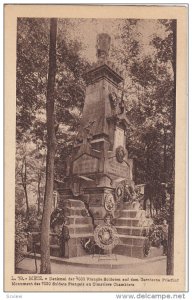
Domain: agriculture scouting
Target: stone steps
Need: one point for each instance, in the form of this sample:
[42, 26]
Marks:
[127, 205]
[80, 229]
[72, 203]
[81, 235]
[133, 222]
[74, 211]
[79, 220]
[129, 230]
[132, 240]
[127, 213]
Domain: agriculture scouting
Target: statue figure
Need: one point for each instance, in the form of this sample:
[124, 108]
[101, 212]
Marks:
[103, 46]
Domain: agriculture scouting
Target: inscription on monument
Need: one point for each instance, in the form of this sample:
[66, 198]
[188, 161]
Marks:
[119, 169]
[85, 164]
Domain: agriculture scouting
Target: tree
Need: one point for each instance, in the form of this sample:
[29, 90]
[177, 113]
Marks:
[151, 136]
[51, 149]
[149, 97]
[32, 61]
[32, 81]
[25, 172]
[166, 52]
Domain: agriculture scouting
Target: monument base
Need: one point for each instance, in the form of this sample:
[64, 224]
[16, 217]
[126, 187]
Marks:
[132, 227]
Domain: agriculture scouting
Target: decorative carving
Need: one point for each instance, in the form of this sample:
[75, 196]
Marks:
[108, 219]
[113, 100]
[109, 202]
[128, 193]
[106, 237]
[119, 192]
[120, 154]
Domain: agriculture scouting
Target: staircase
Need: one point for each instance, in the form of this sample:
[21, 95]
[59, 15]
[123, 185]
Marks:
[80, 226]
[131, 226]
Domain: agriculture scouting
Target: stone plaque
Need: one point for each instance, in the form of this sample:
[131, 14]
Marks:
[119, 169]
[85, 164]
[109, 203]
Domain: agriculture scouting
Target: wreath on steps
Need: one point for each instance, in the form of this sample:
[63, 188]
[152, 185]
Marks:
[58, 217]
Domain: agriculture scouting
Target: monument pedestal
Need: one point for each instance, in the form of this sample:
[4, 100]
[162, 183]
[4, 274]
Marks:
[131, 226]
[79, 226]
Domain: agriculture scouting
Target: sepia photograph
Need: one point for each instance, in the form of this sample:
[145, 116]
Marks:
[95, 142]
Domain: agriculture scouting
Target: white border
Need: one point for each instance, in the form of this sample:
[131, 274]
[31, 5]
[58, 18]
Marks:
[85, 295]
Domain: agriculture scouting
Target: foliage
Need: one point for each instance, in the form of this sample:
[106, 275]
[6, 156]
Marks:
[146, 247]
[34, 220]
[20, 236]
[58, 217]
[32, 63]
[164, 214]
[23, 227]
[150, 100]
[30, 174]
[155, 236]
[32, 68]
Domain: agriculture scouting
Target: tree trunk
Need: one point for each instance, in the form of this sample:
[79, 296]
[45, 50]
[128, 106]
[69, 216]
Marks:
[165, 155]
[27, 201]
[170, 250]
[24, 183]
[39, 195]
[51, 148]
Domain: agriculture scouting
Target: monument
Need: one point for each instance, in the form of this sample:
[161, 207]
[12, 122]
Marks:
[99, 169]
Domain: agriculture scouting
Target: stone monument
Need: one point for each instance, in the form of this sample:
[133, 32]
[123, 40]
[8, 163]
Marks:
[99, 167]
